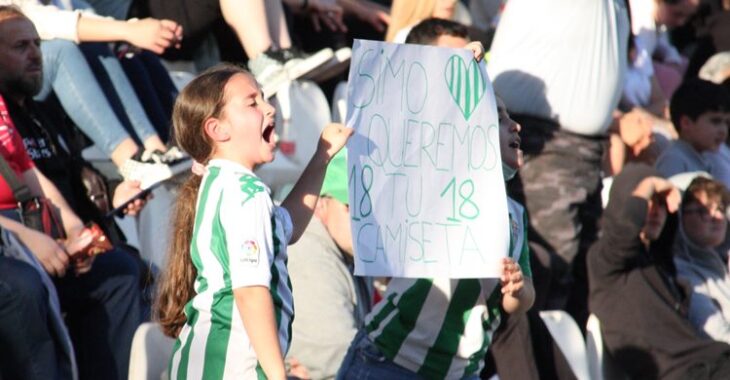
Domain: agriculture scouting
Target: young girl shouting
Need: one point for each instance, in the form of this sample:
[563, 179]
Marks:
[226, 294]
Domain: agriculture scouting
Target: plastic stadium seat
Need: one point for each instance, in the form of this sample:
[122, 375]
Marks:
[150, 353]
[567, 336]
[594, 347]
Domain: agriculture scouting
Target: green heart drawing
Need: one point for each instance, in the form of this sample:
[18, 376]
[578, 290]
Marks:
[466, 85]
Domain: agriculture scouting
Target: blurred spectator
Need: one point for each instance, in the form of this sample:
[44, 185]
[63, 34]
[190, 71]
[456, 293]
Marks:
[702, 229]
[404, 14]
[657, 68]
[327, 293]
[259, 26]
[559, 66]
[717, 70]
[642, 307]
[700, 111]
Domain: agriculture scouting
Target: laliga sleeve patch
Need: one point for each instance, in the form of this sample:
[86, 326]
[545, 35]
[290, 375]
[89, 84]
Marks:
[249, 253]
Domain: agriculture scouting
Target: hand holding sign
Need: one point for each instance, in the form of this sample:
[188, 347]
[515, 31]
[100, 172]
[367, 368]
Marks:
[427, 197]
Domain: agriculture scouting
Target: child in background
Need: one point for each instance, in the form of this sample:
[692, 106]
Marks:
[226, 295]
[702, 231]
[699, 112]
[440, 327]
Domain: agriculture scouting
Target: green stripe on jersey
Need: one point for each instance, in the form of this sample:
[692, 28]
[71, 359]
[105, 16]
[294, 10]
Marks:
[274, 284]
[408, 309]
[190, 312]
[441, 354]
[216, 344]
[260, 374]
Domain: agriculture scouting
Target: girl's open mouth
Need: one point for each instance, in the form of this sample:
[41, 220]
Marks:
[268, 133]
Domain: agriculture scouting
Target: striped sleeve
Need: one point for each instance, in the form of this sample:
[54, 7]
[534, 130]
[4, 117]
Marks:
[244, 218]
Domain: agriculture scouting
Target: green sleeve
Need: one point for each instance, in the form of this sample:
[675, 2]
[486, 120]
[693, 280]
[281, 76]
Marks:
[524, 260]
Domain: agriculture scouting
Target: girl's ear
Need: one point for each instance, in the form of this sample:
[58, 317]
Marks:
[216, 130]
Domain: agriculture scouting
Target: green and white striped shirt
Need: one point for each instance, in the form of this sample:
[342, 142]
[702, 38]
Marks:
[441, 328]
[239, 239]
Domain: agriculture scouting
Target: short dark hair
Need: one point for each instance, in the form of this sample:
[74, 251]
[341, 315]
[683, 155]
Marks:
[713, 189]
[430, 29]
[695, 97]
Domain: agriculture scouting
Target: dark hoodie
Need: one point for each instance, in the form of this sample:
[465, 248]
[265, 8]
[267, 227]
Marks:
[635, 294]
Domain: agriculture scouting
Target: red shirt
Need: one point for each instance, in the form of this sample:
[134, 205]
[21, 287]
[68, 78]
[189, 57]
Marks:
[13, 151]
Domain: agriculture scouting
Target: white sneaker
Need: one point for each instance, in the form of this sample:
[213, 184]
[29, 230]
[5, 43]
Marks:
[335, 66]
[298, 64]
[154, 167]
[269, 71]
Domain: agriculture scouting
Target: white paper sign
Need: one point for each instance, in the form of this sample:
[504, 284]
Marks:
[427, 198]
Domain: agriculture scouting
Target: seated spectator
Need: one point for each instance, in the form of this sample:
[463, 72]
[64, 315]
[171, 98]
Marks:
[327, 293]
[36, 345]
[259, 26]
[717, 70]
[69, 75]
[656, 68]
[634, 290]
[702, 229]
[102, 302]
[699, 112]
[101, 299]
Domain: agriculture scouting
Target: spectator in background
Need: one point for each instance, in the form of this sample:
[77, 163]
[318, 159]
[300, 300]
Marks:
[717, 70]
[259, 26]
[635, 293]
[702, 229]
[657, 67]
[404, 14]
[701, 113]
[559, 66]
[331, 302]
[69, 76]
[102, 302]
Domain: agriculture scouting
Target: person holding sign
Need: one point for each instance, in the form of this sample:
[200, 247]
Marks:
[226, 295]
[441, 327]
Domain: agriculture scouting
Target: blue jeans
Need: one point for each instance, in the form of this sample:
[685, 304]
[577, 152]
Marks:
[118, 90]
[66, 72]
[28, 348]
[364, 361]
[154, 87]
[103, 310]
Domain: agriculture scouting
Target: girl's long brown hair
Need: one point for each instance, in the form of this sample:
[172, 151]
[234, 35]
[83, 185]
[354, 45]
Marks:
[201, 99]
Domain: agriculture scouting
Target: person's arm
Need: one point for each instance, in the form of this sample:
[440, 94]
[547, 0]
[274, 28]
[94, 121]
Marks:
[50, 254]
[323, 297]
[151, 34]
[39, 184]
[257, 313]
[301, 200]
[378, 16]
[518, 293]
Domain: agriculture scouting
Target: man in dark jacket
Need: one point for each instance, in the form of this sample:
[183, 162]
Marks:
[634, 291]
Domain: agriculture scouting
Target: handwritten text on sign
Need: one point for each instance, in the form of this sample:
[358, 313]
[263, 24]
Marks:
[427, 197]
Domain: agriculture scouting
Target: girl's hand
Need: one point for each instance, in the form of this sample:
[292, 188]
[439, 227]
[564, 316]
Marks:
[333, 138]
[512, 280]
[477, 48]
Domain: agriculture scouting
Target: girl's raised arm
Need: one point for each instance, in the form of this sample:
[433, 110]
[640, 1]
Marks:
[303, 197]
